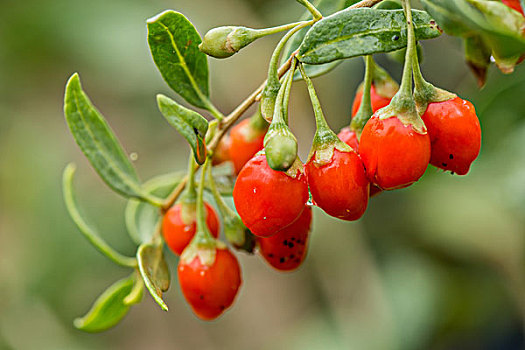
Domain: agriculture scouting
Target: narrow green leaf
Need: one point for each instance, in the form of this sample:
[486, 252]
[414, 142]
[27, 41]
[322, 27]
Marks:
[357, 32]
[174, 44]
[108, 309]
[91, 234]
[154, 271]
[98, 142]
[141, 217]
[190, 124]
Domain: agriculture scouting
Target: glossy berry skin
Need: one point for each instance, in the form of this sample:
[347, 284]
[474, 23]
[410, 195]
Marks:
[394, 154]
[340, 187]
[455, 134]
[378, 101]
[210, 290]
[286, 250]
[513, 4]
[178, 234]
[268, 200]
[246, 141]
[349, 137]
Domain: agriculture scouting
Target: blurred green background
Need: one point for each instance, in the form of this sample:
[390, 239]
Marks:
[439, 265]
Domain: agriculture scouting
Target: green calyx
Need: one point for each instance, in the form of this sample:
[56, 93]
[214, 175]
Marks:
[223, 42]
[268, 98]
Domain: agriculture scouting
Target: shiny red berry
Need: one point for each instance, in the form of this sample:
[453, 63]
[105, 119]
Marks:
[210, 290]
[395, 155]
[378, 101]
[513, 4]
[349, 137]
[455, 134]
[178, 231]
[340, 187]
[286, 250]
[268, 200]
[246, 140]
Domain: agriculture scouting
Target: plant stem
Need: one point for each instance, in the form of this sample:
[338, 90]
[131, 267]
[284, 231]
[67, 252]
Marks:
[174, 195]
[273, 76]
[311, 8]
[365, 109]
[190, 189]
[278, 29]
[201, 211]
[223, 208]
[288, 88]
[320, 120]
[406, 81]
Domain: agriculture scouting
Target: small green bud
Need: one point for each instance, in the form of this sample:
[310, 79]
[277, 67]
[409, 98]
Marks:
[280, 146]
[237, 234]
[223, 42]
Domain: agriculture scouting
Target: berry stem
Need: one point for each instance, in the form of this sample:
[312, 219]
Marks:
[365, 109]
[288, 87]
[406, 81]
[190, 194]
[275, 30]
[311, 8]
[273, 75]
[203, 234]
[320, 120]
[223, 208]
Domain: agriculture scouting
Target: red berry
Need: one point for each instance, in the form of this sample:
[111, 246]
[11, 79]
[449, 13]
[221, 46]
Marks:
[378, 101]
[222, 152]
[395, 155]
[178, 231]
[210, 289]
[340, 187]
[455, 134]
[513, 4]
[268, 200]
[245, 142]
[286, 250]
[349, 137]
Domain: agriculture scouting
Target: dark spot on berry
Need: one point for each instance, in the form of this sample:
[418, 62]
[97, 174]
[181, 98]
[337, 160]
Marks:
[444, 164]
[297, 260]
[201, 297]
[285, 242]
[222, 307]
[451, 156]
[281, 260]
[290, 245]
[292, 256]
[270, 255]
[452, 173]
[293, 238]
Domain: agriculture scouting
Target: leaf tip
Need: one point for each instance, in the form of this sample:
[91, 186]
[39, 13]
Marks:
[157, 17]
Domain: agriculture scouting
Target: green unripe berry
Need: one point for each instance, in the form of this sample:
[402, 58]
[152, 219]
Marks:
[280, 146]
[223, 42]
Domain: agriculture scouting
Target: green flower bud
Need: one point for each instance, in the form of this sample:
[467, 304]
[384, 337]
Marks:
[268, 99]
[237, 234]
[280, 146]
[222, 42]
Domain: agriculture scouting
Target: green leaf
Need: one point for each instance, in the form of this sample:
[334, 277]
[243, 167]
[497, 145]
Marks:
[477, 54]
[498, 26]
[357, 32]
[98, 143]
[91, 234]
[174, 44]
[142, 218]
[389, 5]
[108, 309]
[190, 124]
[154, 271]
[326, 7]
